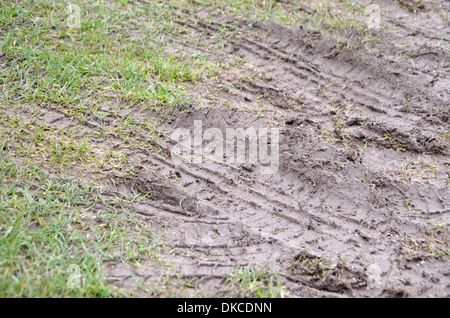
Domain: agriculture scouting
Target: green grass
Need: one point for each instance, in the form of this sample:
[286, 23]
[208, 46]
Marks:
[39, 239]
[50, 63]
[48, 234]
[114, 66]
[330, 17]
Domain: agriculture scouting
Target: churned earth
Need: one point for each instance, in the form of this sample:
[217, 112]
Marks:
[359, 203]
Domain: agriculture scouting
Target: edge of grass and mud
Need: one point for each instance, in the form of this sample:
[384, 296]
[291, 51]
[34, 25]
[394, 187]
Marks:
[55, 238]
[69, 96]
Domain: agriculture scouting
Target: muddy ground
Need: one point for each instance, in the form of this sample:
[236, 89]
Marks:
[364, 159]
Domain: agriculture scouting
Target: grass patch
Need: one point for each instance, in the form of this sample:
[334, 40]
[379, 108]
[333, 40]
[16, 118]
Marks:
[53, 243]
[344, 22]
[113, 53]
[251, 282]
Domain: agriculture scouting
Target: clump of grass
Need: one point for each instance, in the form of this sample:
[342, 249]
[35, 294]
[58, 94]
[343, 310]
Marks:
[255, 282]
[49, 247]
